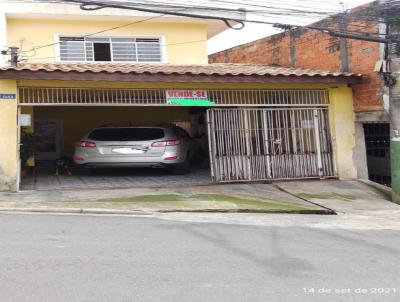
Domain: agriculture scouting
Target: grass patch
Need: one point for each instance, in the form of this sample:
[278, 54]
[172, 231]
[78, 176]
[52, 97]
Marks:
[203, 201]
[183, 203]
[151, 198]
[344, 197]
[242, 202]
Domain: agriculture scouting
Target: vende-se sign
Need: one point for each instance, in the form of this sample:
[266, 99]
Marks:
[188, 98]
[187, 94]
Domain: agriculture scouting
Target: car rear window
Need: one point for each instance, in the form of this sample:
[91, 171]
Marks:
[126, 134]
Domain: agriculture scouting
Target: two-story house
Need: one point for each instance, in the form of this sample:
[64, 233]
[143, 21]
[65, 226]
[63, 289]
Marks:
[78, 70]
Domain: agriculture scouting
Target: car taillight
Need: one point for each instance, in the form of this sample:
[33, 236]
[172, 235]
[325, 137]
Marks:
[173, 142]
[166, 143]
[171, 158]
[85, 144]
[159, 144]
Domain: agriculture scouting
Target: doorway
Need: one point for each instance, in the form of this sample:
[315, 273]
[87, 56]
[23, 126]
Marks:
[275, 143]
[48, 135]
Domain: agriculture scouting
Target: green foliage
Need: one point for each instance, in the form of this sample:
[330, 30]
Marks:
[28, 146]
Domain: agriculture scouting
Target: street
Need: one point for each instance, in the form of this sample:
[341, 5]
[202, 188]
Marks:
[72, 258]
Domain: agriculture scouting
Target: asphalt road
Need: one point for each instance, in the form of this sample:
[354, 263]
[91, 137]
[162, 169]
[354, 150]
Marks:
[96, 258]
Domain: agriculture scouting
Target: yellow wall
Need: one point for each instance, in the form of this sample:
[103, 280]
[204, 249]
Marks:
[9, 157]
[78, 121]
[30, 33]
[342, 122]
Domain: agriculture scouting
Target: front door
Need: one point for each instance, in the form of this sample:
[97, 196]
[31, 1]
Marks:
[48, 133]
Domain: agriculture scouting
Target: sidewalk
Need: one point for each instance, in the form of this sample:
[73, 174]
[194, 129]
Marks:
[254, 198]
[344, 197]
[299, 197]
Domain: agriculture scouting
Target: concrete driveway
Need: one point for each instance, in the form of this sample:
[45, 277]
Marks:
[116, 178]
[344, 197]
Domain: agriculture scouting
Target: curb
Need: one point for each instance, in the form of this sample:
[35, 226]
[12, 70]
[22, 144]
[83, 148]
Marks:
[74, 211]
[144, 213]
[329, 211]
[387, 191]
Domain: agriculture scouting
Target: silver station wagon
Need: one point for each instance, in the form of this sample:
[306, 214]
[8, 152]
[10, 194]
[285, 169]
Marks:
[154, 147]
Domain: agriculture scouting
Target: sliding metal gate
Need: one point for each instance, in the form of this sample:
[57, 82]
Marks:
[262, 144]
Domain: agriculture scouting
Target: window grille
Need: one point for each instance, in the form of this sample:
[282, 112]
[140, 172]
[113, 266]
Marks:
[156, 97]
[81, 49]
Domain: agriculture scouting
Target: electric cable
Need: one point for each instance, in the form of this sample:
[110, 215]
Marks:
[166, 13]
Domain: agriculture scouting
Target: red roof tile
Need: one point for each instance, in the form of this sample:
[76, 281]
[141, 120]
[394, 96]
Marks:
[221, 69]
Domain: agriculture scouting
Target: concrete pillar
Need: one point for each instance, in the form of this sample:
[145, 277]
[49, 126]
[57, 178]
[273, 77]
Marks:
[342, 124]
[9, 156]
[395, 137]
[360, 152]
[395, 118]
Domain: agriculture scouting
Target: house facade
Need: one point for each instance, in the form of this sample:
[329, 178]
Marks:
[79, 70]
[304, 48]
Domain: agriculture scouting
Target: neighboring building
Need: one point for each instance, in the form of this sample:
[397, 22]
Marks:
[314, 49]
[265, 122]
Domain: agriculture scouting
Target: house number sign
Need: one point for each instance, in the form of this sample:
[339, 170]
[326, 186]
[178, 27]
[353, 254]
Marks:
[8, 96]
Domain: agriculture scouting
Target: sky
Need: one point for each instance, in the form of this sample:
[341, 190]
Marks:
[251, 32]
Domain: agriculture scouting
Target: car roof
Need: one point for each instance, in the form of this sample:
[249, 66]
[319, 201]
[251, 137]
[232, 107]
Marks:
[132, 127]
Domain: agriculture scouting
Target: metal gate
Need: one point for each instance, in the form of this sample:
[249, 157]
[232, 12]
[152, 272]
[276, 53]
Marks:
[262, 144]
[377, 143]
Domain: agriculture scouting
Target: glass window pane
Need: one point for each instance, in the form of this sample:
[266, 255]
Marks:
[126, 134]
[97, 39]
[125, 52]
[72, 51]
[123, 40]
[149, 52]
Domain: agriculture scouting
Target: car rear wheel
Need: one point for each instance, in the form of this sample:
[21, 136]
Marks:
[82, 170]
[183, 168]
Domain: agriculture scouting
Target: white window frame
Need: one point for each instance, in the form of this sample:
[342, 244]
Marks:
[162, 39]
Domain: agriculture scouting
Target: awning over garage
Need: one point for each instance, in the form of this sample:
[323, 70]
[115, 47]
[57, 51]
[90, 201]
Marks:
[210, 73]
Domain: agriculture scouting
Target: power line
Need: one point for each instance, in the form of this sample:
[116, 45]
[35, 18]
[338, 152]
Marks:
[97, 32]
[99, 5]
[100, 31]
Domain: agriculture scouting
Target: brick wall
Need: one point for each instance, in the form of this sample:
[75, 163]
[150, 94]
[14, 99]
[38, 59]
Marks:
[318, 50]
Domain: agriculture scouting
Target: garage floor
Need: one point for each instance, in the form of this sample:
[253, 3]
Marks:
[120, 178]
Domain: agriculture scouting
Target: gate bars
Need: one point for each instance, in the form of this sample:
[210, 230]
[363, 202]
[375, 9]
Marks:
[262, 144]
[56, 96]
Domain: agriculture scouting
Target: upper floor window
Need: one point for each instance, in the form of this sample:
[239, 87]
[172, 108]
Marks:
[107, 49]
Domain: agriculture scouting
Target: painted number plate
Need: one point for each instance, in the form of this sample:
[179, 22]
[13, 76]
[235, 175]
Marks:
[127, 151]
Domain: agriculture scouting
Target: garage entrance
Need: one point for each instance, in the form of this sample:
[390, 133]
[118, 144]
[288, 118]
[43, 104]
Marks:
[58, 129]
[248, 135]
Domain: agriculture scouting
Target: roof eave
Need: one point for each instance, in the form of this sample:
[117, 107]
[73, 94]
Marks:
[170, 78]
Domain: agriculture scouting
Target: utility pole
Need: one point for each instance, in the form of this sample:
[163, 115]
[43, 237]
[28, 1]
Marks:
[393, 56]
[394, 111]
